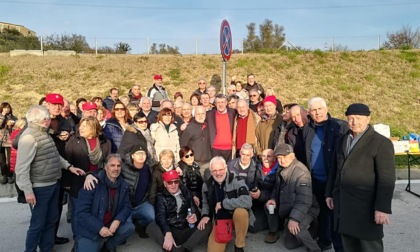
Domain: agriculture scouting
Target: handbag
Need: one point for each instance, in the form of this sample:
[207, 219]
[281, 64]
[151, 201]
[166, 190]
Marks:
[224, 231]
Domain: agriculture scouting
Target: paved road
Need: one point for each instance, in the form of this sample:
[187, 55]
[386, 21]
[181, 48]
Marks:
[401, 235]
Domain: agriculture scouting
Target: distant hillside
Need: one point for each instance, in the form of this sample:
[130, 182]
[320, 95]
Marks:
[388, 81]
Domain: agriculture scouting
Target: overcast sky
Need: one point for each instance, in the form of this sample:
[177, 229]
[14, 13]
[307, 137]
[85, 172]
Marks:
[195, 25]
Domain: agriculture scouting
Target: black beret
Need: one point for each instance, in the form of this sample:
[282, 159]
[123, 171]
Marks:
[358, 109]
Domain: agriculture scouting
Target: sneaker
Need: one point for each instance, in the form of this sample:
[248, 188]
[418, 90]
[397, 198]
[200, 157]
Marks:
[239, 249]
[272, 237]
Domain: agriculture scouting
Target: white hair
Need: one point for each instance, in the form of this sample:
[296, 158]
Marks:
[315, 100]
[217, 159]
[247, 146]
[37, 114]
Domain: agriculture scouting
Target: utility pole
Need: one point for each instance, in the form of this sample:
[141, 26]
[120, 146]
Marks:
[147, 44]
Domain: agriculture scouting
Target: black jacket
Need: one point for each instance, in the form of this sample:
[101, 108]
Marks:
[363, 182]
[294, 137]
[131, 176]
[131, 139]
[197, 137]
[167, 216]
[334, 129]
[77, 155]
[265, 184]
[192, 178]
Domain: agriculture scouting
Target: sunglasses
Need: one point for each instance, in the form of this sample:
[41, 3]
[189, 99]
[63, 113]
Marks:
[176, 182]
[119, 109]
[141, 121]
[189, 155]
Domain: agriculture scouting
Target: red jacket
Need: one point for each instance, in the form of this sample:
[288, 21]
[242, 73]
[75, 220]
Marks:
[13, 151]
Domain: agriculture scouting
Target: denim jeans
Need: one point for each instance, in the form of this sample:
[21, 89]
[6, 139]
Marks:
[123, 233]
[143, 214]
[41, 230]
[73, 203]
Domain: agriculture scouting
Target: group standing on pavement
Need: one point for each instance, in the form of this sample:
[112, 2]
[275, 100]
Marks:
[210, 168]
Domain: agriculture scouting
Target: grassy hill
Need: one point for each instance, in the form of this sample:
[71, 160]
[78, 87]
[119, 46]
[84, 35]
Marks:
[388, 81]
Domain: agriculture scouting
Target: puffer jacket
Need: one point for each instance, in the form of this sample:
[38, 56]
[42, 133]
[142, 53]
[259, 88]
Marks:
[131, 176]
[132, 138]
[164, 139]
[13, 151]
[114, 132]
[92, 205]
[167, 216]
[192, 178]
[293, 192]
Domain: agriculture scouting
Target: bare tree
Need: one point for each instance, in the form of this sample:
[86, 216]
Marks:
[405, 38]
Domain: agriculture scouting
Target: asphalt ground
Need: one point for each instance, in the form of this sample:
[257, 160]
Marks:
[401, 235]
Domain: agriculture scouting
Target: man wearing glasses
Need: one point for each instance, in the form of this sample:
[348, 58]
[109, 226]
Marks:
[175, 228]
[202, 86]
[251, 84]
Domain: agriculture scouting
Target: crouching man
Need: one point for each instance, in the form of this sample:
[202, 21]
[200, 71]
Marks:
[293, 197]
[226, 196]
[102, 213]
[176, 217]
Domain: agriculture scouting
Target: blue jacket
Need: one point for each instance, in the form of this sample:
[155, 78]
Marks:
[92, 205]
[114, 133]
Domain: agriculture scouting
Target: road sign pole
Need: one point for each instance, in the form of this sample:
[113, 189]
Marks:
[224, 77]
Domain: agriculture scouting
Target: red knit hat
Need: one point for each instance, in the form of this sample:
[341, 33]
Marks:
[270, 98]
[170, 175]
[158, 77]
[54, 99]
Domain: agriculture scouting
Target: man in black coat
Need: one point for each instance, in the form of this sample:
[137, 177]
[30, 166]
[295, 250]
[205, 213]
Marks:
[360, 189]
[175, 228]
[196, 136]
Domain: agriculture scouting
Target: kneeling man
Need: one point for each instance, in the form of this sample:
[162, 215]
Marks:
[176, 216]
[293, 197]
[102, 213]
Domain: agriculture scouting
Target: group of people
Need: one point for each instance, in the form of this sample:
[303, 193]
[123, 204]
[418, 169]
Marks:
[212, 168]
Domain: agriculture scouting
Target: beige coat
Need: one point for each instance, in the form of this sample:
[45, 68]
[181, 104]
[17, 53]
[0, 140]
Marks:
[164, 139]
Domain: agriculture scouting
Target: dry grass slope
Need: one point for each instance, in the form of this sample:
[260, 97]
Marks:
[388, 81]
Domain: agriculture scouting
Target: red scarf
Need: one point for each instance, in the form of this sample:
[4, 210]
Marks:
[266, 171]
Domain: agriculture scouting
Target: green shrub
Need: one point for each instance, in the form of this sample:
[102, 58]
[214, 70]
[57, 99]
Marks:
[4, 70]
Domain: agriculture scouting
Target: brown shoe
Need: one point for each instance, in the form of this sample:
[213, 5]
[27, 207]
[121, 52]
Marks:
[272, 237]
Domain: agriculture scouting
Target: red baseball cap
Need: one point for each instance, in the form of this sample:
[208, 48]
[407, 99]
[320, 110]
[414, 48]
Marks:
[158, 77]
[89, 106]
[54, 99]
[170, 175]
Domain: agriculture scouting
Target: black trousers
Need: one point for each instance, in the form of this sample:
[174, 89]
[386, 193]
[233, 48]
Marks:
[5, 161]
[226, 154]
[351, 243]
[304, 237]
[189, 238]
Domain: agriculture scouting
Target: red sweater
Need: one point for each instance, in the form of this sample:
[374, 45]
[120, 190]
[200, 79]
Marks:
[223, 140]
[13, 151]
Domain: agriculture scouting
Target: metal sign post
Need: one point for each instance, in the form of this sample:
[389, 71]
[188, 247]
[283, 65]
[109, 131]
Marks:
[225, 48]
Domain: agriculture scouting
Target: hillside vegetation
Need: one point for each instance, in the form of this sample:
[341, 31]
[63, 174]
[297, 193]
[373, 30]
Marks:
[388, 81]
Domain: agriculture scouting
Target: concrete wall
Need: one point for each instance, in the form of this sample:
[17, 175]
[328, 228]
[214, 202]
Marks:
[40, 53]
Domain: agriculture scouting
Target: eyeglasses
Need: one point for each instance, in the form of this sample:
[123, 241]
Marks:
[141, 121]
[253, 95]
[189, 155]
[176, 182]
[119, 109]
